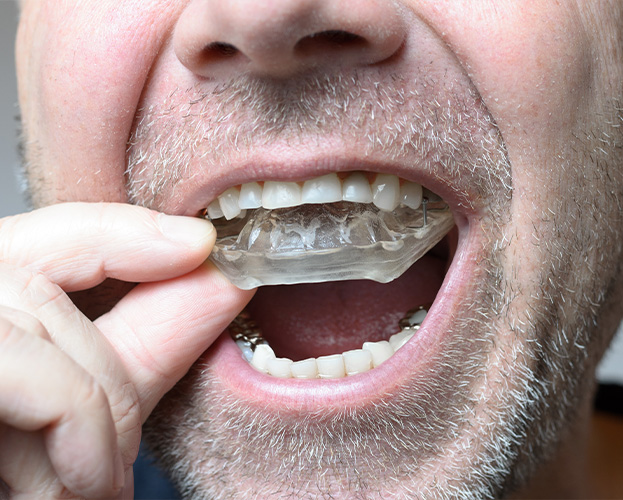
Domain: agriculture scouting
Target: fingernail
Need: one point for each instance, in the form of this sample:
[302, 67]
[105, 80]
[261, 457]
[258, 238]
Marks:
[189, 231]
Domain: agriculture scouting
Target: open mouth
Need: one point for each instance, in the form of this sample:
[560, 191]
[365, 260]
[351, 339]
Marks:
[355, 260]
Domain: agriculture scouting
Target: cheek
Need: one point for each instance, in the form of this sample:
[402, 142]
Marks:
[84, 77]
[533, 65]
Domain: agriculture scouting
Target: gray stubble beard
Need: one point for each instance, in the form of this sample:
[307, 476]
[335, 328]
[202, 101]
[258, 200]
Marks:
[217, 447]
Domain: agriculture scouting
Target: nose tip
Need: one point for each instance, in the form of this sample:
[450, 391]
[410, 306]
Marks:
[278, 38]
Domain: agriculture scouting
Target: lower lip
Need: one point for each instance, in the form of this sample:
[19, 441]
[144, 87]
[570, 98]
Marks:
[225, 361]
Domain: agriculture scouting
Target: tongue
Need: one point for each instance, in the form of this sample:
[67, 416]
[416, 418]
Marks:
[311, 320]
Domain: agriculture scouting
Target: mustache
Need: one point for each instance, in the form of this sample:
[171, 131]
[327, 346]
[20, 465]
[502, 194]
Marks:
[434, 123]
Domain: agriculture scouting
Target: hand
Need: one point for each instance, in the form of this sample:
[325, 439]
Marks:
[74, 393]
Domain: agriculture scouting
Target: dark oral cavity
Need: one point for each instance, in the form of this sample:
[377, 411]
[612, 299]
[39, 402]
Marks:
[311, 320]
[331, 324]
[323, 321]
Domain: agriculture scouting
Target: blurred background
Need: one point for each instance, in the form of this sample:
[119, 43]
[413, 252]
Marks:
[12, 201]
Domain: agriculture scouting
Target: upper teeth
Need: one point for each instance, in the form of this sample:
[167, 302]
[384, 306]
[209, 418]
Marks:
[386, 192]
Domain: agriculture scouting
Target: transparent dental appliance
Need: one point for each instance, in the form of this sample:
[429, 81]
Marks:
[330, 242]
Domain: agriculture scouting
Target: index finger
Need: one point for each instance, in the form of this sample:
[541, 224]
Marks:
[78, 245]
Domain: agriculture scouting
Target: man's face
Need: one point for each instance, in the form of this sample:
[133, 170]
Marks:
[509, 111]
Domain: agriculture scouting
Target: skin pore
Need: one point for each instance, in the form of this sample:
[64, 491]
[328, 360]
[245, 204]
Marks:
[514, 109]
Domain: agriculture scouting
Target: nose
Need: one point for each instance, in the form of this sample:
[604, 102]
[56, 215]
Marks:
[280, 38]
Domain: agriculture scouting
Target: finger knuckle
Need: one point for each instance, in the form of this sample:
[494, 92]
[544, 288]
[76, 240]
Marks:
[16, 338]
[92, 395]
[8, 331]
[25, 321]
[126, 411]
[39, 290]
[25, 289]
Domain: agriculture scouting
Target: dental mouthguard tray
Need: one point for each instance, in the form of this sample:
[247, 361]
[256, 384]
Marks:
[331, 242]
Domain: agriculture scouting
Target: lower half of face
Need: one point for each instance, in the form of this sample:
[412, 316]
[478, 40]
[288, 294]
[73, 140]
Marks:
[484, 392]
[520, 299]
[500, 324]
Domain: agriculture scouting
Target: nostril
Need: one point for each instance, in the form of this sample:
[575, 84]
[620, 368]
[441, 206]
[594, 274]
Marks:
[216, 54]
[337, 37]
[329, 40]
[218, 51]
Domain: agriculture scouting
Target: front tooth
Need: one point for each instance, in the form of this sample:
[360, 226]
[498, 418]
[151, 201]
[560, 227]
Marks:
[279, 367]
[250, 195]
[281, 194]
[261, 356]
[356, 188]
[325, 189]
[214, 210]
[380, 351]
[386, 192]
[307, 368]
[411, 194]
[331, 366]
[229, 203]
[400, 339]
[357, 361]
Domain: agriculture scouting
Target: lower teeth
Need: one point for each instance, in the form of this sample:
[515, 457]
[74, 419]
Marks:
[318, 243]
[260, 355]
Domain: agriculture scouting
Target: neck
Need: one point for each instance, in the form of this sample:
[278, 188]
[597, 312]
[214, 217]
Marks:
[567, 474]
